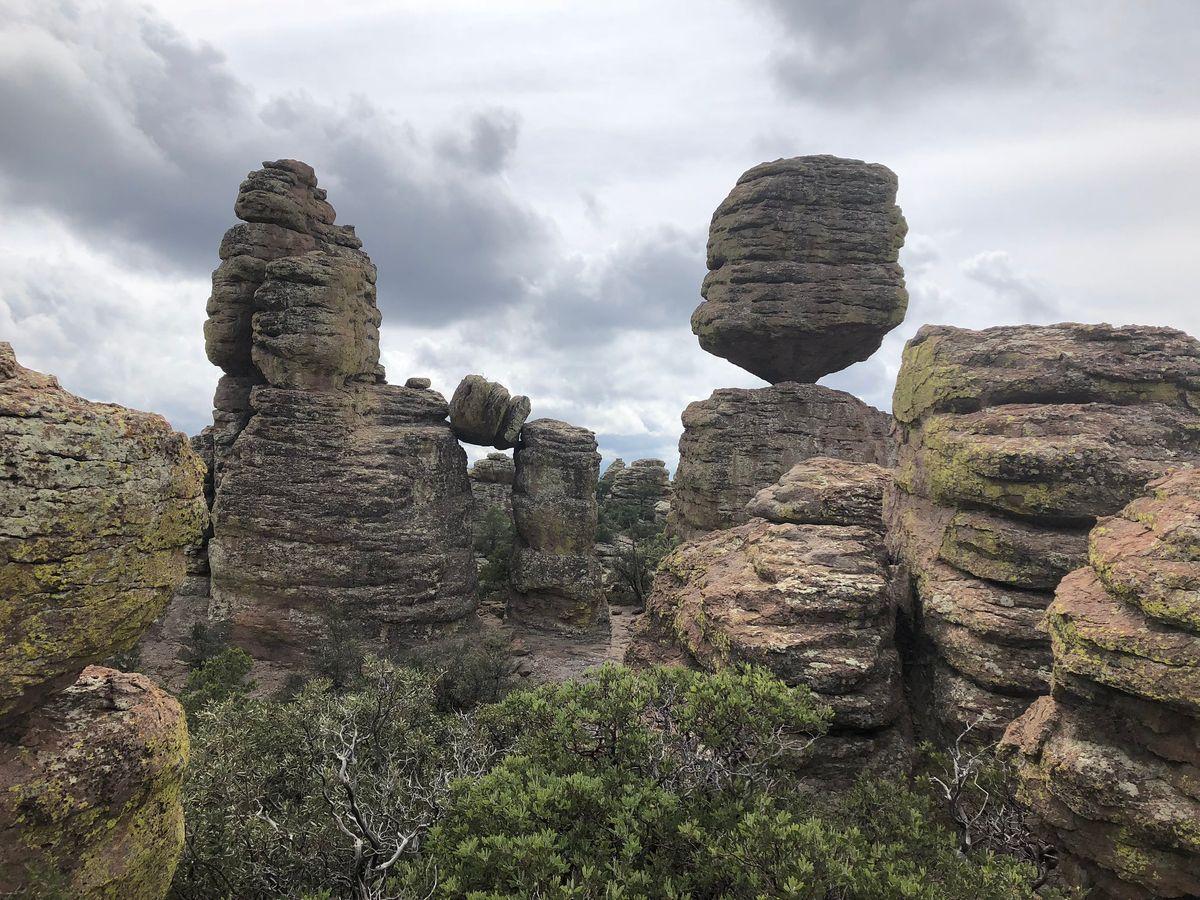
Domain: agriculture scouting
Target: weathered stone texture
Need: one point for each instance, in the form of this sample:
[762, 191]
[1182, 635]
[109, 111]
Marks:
[644, 483]
[803, 277]
[99, 508]
[1011, 442]
[740, 441]
[335, 495]
[556, 574]
[811, 599]
[1110, 763]
[91, 801]
[483, 412]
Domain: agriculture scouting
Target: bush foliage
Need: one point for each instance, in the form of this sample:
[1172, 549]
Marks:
[662, 783]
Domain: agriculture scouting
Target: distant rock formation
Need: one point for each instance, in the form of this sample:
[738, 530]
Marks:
[483, 412]
[1012, 441]
[803, 277]
[555, 573]
[1110, 762]
[101, 506]
[491, 484]
[336, 496]
[805, 589]
[615, 468]
[643, 484]
[741, 440]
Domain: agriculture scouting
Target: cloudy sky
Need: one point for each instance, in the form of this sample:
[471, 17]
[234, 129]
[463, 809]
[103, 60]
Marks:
[534, 179]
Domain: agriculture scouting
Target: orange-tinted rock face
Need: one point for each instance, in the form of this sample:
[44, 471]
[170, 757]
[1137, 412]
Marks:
[1111, 762]
[91, 800]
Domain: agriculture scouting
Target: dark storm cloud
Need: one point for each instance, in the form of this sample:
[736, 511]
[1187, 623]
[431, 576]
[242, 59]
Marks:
[137, 138]
[871, 50]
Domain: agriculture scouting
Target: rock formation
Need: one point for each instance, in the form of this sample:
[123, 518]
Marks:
[100, 508]
[482, 412]
[636, 500]
[803, 275]
[1011, 442]
[555, 572]
[491, 484]
[805, 589]
[337, 496]
[1110, 763]
[741, 440]
[643, 484]
[615, 468]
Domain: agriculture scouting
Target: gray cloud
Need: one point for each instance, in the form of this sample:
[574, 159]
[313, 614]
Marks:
[137, 137]
[872, 50]
[994, 269]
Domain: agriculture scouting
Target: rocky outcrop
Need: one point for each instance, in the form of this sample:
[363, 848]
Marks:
[643, 484]
[336, 496]
[615, 468]
[1011, 442]
[740, 441]
[555, 572]
[1110, 762]
[491, 484]
[99, 507]
[91, 801]
[807, 591]
[803, 274]
[483, 412]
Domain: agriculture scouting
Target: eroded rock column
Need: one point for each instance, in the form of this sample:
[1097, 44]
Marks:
[1012, 441]
[555, 573]
[1110, 762]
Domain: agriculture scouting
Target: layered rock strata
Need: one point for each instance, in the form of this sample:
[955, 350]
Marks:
[643, 484]
[336, 495]
[555, 573]
[1110, 762]
[741, 440]
[803, 274]
[1011, 442]
[491, 484]
[101, 507]
[804, 588]
[483, 412]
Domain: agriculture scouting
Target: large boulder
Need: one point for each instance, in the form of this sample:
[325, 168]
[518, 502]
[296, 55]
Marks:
[803, 274]
[91, 802]
[807, 593]
[483, 412]
[1110, 762]
[100, 507]
[555, 573]
[1011, 442]
[740, 441]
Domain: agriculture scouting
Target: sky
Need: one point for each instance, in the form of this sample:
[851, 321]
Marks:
[534, 179]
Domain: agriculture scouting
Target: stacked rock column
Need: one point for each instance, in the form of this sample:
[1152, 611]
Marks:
[1110, 763]
[100, 508]
[803, 281]
[556, 573]
[1012, 441]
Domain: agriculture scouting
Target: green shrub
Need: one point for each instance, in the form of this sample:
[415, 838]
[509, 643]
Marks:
[216, 679]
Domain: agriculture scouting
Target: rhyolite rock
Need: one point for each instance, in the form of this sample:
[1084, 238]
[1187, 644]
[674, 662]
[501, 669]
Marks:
[808, 593]
[644, 483]
[483, 412]
[1011, 442]
[613, 470]
[555, 572]
[99, 508]
[741, 440]
[803, 274]
[1110, 762]
[951, 369]
[336, 497]
[91, 801]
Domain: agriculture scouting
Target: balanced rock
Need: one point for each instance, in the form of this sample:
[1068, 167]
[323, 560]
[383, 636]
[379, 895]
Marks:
[555, 572]
[91, 801]
[100, 506]
[1012, 441]
[807, 593]
[482, 412]
[739, 441]
[335, 495]
[803, 274]
[1110, 762]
